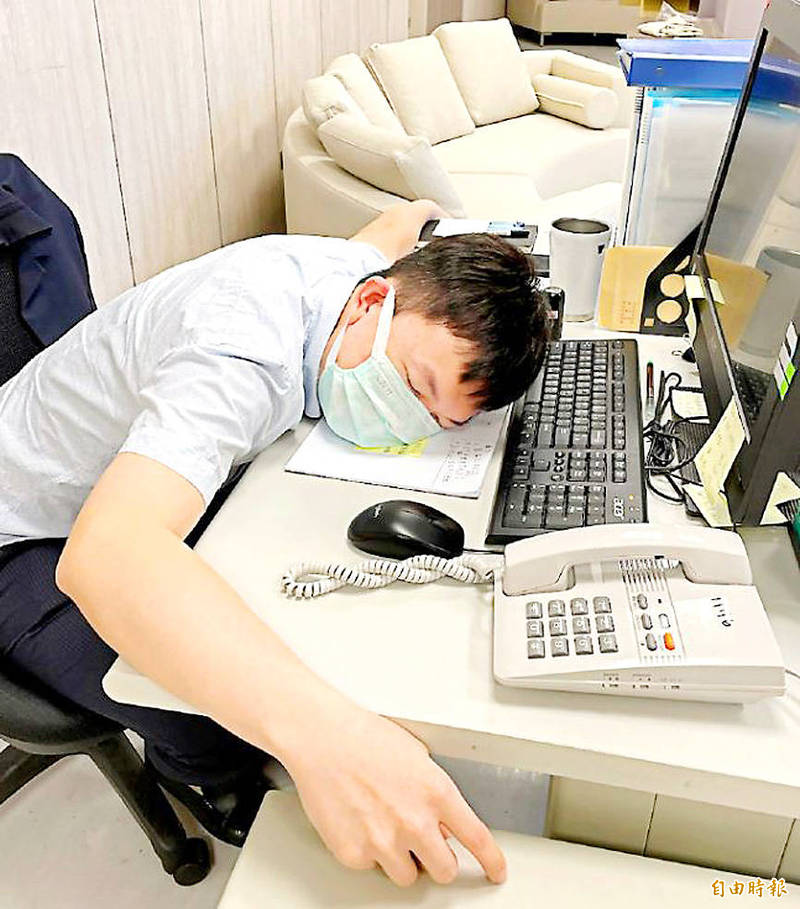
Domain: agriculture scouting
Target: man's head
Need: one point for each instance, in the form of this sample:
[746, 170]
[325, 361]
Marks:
[469, 329]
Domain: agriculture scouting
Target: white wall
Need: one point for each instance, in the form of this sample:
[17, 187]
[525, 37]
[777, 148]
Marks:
[159, 121]
[738, 18]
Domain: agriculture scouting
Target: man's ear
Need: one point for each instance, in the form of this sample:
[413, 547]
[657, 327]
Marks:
[371, 293]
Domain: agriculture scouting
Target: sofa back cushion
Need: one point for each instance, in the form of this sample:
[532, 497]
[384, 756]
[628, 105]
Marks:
[589, 105]
[417, 81]
[352, 72]
[325, 97]
[400, 164]
[488, 68]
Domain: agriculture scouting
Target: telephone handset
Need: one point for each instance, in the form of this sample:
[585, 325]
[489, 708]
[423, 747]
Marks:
[642, 610]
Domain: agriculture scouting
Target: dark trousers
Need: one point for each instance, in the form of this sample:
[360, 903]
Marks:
[43, 634]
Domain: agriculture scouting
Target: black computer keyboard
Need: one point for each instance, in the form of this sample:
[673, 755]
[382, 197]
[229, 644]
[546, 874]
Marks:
[574, 452]
[752, 385]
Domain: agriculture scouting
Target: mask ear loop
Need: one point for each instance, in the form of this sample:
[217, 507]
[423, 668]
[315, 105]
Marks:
[384, 324]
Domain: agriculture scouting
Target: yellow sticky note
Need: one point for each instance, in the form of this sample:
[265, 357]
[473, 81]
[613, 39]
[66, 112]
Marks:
[713, 506]
[689, 403]
[784, 489]
[412, 450]
[715, 458]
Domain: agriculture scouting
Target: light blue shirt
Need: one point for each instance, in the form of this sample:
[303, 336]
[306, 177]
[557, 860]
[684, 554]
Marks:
[200, 368]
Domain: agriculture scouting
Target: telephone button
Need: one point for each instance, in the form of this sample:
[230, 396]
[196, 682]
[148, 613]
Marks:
[583, 644]
[533, 610]
[604, 623]
[559, 647]
[601, 604]
[647, 622]
[535, 628]
[651, 642]
[580, 624]
[578, 606]
[608, 643]
[669, 641]
[555, 608]
[558, 626]
[641, 601]
[664, 619]
[535, 649]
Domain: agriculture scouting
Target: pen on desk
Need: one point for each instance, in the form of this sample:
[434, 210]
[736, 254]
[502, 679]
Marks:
[649, 404]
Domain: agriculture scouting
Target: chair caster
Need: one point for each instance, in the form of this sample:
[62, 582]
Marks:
[193, 864]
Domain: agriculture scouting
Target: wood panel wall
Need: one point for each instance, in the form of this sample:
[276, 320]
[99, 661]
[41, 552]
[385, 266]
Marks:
[159, 122]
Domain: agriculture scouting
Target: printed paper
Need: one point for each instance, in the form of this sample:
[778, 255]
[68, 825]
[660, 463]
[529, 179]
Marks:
[784, 489]
[713, 506]
[689, 403]
[452, 462]
[450, 227]
[715, 458]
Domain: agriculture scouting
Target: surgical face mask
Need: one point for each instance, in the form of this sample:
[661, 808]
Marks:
[370, 404]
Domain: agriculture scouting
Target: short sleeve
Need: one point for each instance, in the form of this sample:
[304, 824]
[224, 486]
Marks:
[203, 411]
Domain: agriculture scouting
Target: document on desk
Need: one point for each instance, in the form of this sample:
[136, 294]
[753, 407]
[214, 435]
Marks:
[452, 462]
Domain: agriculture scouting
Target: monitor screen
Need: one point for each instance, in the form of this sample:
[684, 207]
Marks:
[752, 248]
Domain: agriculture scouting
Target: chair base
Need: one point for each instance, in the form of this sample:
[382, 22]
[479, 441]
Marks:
[187, 859]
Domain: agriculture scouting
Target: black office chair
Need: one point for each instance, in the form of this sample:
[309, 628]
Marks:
[42, 727]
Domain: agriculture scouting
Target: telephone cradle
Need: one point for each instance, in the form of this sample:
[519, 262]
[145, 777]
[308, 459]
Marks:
[635, 610]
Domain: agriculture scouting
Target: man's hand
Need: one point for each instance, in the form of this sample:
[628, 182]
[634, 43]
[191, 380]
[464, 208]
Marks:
[376, 798]
[395, 231]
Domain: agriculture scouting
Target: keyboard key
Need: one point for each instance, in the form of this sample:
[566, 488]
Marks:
[535, 628]
[540, 464]
[580, 624]
[544, 438]
[608, 643]
[559, 647]
[583, 644]
[556, 608]
[562, 435]
[535, 649]
[558, 627]
[592, 519]
[578, 606]
[597, 438]
[533, 609]
[604, 623]
[580, 440]
[601, 604]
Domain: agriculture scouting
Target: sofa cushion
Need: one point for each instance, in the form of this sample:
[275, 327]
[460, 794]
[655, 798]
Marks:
[399, 164]
[558, 155]
[352, 72]
[538, 61]
[589, 105]
[500, 87]
[417, 81]
[583, 69]
[324, 97]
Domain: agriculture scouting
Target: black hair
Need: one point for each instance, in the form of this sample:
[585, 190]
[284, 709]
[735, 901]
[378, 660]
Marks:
[483, 290]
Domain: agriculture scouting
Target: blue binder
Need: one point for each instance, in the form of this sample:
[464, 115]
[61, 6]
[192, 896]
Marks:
[705, 63]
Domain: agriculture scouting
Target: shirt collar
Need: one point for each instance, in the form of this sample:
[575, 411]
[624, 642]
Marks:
[17, 221]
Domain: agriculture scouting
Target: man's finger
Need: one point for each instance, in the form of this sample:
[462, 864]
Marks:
[436, 857]
[399, 867]
[470, 830]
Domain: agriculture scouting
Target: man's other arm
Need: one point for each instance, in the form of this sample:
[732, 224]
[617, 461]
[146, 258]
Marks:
[367, 785]
[395, 231]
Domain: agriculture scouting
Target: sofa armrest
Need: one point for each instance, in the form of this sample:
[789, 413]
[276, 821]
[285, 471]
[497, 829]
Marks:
[539, 62]
[568, 65]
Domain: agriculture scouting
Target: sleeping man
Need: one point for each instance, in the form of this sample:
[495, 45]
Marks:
[116, 438]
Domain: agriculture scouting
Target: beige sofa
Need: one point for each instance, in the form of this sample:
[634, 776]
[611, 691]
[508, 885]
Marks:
[577, 16]
[461, 116]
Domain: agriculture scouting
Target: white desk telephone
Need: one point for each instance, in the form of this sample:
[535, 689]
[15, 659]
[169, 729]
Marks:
[641, 610]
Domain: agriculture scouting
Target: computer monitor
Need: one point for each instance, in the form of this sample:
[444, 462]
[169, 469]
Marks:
[749, 243]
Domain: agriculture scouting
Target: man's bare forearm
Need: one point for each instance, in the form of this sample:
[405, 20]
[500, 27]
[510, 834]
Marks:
[174, 619]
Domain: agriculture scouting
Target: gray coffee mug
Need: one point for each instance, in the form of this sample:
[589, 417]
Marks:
[577, 249]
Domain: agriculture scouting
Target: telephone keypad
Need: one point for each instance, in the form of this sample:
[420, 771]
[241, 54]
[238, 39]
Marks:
[559, 626]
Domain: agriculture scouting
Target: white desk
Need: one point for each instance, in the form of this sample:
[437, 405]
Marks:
[423, 656]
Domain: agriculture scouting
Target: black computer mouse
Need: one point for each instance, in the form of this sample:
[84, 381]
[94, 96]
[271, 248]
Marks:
[399, 529]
